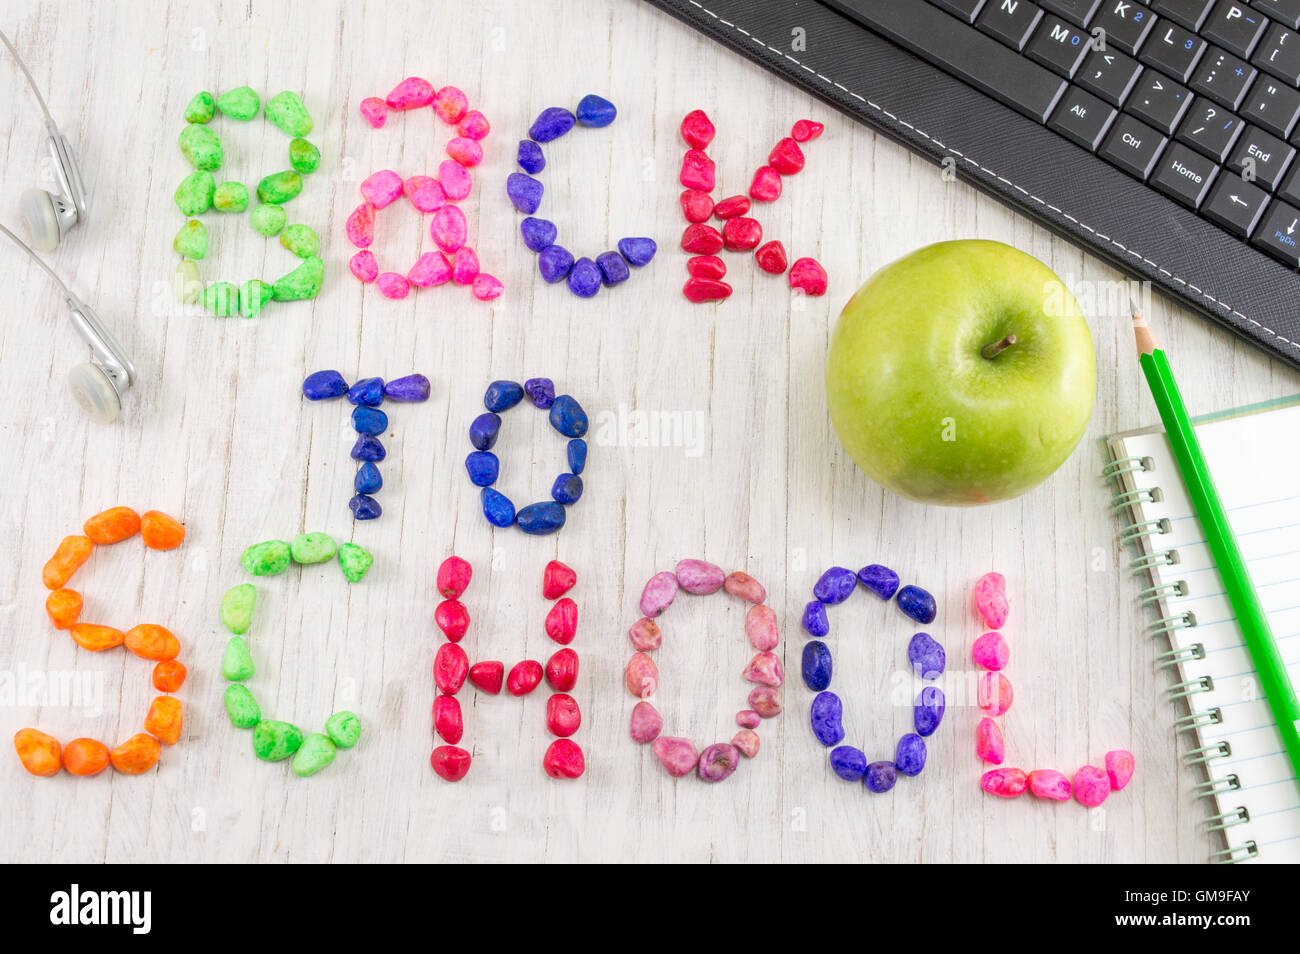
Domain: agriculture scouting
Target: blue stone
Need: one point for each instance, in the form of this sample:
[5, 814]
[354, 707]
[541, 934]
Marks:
[483, 431]
[502, 396]
[928, 712]
[541, 391]
[584, 278]
[916, 603]
[880, 776]
[413, 388]
[566, 489]
[365, 507]
[367, 391]
[926, 655]
[324, 384]
[538, 234]
[368, 448]
[367, 480]
[540, 518]
[525, 192]
[848, 762]
[613, 267]
[568, 417]
[369, 420]
[880, 580]
[910, 755]
[554, 263]
[498, 509]
[637, 251]
[814, 619]
[577, 453]
[817, 665]
[595, 111]
[551, 124]
[836, 585]
[483, 468]
[826, 716]
[530, 157]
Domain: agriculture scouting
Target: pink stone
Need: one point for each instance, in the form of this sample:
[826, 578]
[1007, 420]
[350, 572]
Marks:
[1049, 783]
[645, 635]
[766, 701]
[488, 676]
[557, 579]
[744, 586]
[1120, 765]
[465, 151]
[375, 110]
[455, 179]
[382, 188]
[786, 157]
[766, 669]
[697, 171]
[994, 693]
[363, 265]
[766, 186]
[747, 741]
[450, 104]
[991, 599]
[1091, 786]
[699, 577]
[807, 275]
[697, 129]
[564, 759]
[991, 652]
[1005, 782]
[431, 268]
[748, 719]
[642, 676]
[524, 677]
[474, 125]
[449, 228]
[393, 285]
[425, 193]
[562, 621]
[464, 266]
[646, 722]
[360, 227]
[806, 129]
[677, 755]
[760, 627]
[989, 745]
[447, 719]
[718, 762]
[454, 574]
[453, 619]
[487, 287]
[411, 93]
[659, 593]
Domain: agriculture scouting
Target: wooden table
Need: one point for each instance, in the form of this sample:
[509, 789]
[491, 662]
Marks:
[710, 438]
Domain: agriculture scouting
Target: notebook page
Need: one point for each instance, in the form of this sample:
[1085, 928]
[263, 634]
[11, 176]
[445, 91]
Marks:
[1255, 460]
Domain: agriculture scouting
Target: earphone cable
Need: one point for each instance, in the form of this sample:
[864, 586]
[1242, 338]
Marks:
[49, 120]
[39, 261]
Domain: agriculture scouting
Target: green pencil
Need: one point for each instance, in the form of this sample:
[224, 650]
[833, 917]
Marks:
[1264, 653]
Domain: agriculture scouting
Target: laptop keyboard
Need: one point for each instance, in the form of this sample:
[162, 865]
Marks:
[1200, 99]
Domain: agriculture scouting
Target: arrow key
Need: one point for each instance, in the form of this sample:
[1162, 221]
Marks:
[1236, 205]
[1279, 236]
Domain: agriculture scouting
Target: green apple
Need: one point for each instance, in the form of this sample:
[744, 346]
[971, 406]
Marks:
[961, 374]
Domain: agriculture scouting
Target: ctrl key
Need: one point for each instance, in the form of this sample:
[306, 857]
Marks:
[1279, 236]
[1184, 176]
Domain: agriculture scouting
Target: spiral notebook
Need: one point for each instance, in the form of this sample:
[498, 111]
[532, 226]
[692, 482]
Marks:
[1254, 454]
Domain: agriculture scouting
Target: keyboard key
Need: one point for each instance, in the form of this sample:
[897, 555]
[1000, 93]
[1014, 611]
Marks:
[1058, 46]
[1126, 24]
[1133, 146]
[1111, 75]
[1172, 50]
[1011, 21]
[1078, 12]
[1288, 11]
[1235, 205]
[1235, 27]
[1272, 105]
[1210, 130]
[1290, 189]
[966, 9]
[1158, 100]
[1183, 175]
[1082, 118]
[1279, 54]
[1190, 13]
[1259, 157]
[1223, 77]
[1280, 234]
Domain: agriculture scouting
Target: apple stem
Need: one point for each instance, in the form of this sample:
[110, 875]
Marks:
[995, 348]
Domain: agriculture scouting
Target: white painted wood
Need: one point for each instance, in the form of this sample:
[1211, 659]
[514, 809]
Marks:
[216, 433]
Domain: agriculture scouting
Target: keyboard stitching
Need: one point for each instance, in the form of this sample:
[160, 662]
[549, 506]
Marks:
[990, 172]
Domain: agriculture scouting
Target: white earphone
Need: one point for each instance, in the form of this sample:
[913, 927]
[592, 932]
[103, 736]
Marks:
[99, 384]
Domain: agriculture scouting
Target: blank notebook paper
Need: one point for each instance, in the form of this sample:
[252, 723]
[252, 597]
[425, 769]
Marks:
[1254, 455]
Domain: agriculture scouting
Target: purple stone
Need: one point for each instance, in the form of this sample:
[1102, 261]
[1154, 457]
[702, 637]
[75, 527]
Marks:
[368, 448]
[718, 761]
[554, 263]
[880, 580]
[909, 759]
[530, 157]
[848, 762]
[880, 776]
[637, 251]
[365, 507]
[917, 603]
[584, 278]
[551, 124]
[502, 396]
[595, 111]
[525, 192]
[413, 387]
[926, 656]
[541, 391]
[814, 619]
[538, 233]
[826, 716]
[613, 267]
[367, 391]
[928, 711]
[324, 384]
[836, 585]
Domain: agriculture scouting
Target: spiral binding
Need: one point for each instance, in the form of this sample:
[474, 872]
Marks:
[1176, 657]
[1208, 753]
[1238, 816]
[1230, 856]
[1126, 465]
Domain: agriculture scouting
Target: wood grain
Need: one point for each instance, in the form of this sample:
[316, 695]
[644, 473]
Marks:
[215, 432]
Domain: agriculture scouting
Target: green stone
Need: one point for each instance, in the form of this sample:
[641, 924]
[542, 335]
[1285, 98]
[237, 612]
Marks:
[240, 103]
[266, 559]
[355, 561]
[237, 608]
[279, 187]
[230, 197]
[201, 108]
[303, 156]
[192, 240]
[237, 663]
[274, 741]
[201, 148]
[194, 194]
[189, 286]
[343, 728]
[300, 240]
[303, 282]
[312, 547]
[253, 296]
[315, 752]
[242, 708]
[286, 111]
[268, 220]
[222, 299]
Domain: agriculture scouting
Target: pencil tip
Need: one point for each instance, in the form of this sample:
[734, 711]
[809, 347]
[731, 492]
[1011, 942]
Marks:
[1145, 337]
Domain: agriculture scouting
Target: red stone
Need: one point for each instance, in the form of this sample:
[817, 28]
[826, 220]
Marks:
[701, 239]
[454, 576]
[806, 129]
[697, 129]
[809, 276]
[557, 579]
[696, 205]
[786, 157]
[447, 720]
[564, 759]
[706, 266]
[562, 670]
[705, 289]
[741, 234]
[766, 186]
[697, 171]
[731, 207]
[450, 667]
[562, 621]
[562, 715]
[524, 677]
[488, 676]
[450, 762]
[771, 257]
[452, 618]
